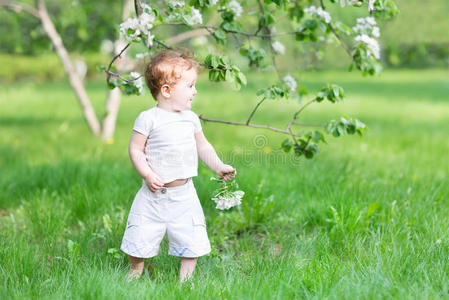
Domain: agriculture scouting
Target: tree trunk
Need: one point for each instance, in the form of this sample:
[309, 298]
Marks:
[113, 101]
[75, 81]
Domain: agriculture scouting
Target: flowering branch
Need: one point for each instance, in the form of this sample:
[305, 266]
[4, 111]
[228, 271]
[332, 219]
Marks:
[313, 22]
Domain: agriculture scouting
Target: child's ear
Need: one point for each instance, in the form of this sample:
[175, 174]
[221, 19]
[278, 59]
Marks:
[165, 91]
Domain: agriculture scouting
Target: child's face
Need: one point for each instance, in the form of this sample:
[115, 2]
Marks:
[182, 93]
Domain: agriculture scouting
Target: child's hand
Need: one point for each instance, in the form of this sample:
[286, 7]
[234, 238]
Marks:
[153, 182]
[226, 172]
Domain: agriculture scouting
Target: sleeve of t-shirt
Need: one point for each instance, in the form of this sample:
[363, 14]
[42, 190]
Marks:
[196, 122]
[143, 124]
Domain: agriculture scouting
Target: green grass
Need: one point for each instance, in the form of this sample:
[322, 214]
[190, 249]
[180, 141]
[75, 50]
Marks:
[366, 219]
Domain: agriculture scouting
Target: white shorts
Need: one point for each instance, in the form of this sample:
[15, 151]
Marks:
[173, 210]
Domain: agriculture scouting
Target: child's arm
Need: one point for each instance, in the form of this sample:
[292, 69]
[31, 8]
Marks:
[139, 161]
[207, 154]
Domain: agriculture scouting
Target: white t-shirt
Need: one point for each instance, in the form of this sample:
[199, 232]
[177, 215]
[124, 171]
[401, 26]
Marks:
[170, 148]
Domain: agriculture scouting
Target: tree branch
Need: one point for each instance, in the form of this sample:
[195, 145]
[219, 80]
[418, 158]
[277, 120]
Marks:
[75, 81]
[295, 116]
[108, 70]
[340, 39]
[254, 110]
[248, 125]
[18, 7]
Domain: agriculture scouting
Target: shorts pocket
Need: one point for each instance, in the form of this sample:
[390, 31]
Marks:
[132, 228]
[199, 236]
[198, 221]
[133, 220]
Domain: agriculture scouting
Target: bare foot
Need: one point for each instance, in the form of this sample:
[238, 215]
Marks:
[133, 275]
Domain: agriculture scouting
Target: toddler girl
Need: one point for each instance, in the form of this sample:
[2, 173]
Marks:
[164, 148]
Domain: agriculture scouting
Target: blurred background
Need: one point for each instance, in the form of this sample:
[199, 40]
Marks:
[417, 38]
[367, 218]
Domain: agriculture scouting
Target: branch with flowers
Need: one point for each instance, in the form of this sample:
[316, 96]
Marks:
[311, 23]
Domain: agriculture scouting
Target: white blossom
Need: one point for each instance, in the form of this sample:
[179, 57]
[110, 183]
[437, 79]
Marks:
[318, 12]
[371, 43]
[278, 47]
[213, 2]
[137, 81]
[290, 82]
[138, 29]
[176, 3]
[235, 7]
[197, 18]
[343, 3]
[366, 26]
[129, 30]
[376, 32]
[228, 199]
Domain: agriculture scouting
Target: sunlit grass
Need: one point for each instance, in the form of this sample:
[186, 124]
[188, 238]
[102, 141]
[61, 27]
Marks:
[366, 218]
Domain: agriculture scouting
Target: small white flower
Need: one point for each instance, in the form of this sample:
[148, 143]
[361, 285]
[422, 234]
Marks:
[290, 82]
[146, 8]
[278, 47]
[197, 18]
[228, 199]
[375, 32]
[137, 81]
[146, 23]
[235, 7]
[343, 3]
[318, 12]
[213, 2]
[136, 29]
[438, 241]
[129, 30]
[176, 3]
[372, 44]
[366, 26]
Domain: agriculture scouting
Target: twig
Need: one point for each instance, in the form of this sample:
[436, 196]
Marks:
[163, 44]
[307, 124]
[342, 43]
[244, 124]
[254, 110]
[295, 116]
[112, 61]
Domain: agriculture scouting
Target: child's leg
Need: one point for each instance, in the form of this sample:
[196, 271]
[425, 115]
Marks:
[187, 268]
[136, 270]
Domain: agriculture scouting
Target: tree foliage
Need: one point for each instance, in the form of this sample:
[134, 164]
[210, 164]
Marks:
[83, 24]
[253, 25]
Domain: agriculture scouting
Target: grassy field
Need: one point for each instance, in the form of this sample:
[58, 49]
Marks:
[366, 219]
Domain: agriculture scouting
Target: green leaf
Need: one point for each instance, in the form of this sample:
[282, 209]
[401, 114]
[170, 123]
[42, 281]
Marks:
[242, 78]
[317, 136]
[287, 145]
[220, 36]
